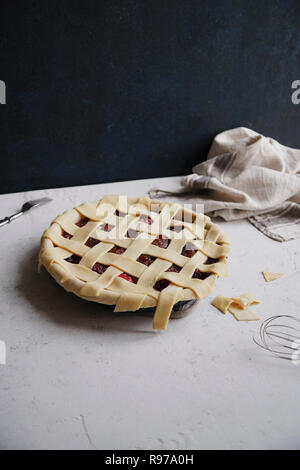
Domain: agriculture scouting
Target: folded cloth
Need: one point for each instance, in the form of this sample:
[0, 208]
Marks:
[247, 175]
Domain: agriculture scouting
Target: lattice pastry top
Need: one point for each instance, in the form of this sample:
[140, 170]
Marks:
[135, 253]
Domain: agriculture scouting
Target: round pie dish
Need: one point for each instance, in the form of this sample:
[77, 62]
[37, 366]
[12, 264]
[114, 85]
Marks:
[135, 253]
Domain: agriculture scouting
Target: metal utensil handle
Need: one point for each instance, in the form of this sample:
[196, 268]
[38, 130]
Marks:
[7, 220]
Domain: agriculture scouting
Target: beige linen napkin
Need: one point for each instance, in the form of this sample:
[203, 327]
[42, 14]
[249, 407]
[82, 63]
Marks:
[247, 175]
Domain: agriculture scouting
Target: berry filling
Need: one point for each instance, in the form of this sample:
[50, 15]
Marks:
[211, 260]
[183, 217]
[161, 284]
[91, 242]
[119, 213]
[106, 227]
[118, 250]
[74, 259]
[132, 279]
[67, 235]
[146, 259]
[161, 242]
[131, 233]
[176, 228]
[99, 268]
[82, 222]
[189, 250]
[200, 275]
[174, 269]
[145, 218]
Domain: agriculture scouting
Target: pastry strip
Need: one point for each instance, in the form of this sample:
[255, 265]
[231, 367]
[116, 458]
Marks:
[97, 251]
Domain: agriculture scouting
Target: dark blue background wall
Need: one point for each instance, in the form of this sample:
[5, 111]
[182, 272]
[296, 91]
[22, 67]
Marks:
[101, 91]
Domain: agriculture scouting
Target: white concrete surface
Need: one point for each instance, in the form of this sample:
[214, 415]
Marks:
[80, 377]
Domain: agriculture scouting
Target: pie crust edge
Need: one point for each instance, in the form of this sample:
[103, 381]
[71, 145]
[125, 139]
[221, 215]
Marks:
[108, 297]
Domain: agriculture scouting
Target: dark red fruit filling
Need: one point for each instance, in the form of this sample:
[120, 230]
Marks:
[75, 259]
[211, 260]
[161, 284]
[183, 217]
[119, 213]
[161, 242]
[67, 235]
[200, 275]
[99, 268]
[174, 269]
[129, 278]
[118, 250]
[91, 242]
[189, 250]
[146, 259]
[106, 227]
[176, 228]
[132, 233]
[145, 218]
[82, 222]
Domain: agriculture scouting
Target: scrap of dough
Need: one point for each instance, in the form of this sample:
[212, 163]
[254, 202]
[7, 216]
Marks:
[222, 303]
[245, 300]
[237, 306]
[241, 314]
[269, 276]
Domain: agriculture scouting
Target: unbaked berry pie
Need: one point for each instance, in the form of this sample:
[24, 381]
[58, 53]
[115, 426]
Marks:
[135, 253]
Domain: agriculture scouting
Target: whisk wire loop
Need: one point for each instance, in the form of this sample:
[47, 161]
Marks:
[281, 339]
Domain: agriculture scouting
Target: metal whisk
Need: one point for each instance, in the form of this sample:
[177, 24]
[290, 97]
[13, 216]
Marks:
[280, 335]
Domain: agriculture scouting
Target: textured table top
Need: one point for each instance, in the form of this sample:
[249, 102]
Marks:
[80, 377]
